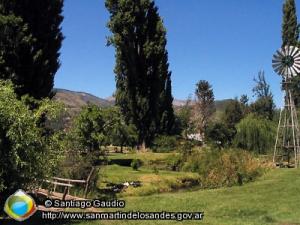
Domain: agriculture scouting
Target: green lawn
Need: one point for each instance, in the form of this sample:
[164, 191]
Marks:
[273, 199]
[162, 181]
[144, 156]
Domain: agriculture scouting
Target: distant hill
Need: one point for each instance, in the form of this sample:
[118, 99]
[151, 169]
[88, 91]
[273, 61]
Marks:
[76, 100]
[220, 104]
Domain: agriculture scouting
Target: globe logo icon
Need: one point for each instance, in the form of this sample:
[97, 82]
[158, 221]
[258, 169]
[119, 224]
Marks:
[20, 206]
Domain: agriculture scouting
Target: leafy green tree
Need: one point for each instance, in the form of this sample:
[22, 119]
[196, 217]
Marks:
[255, 134]
[244, 100]
[143, 79]
[27, 155]
[30, 44]
[163, 143]
[89, 130]
[233, 113]
[264, 105]
[205, 105]
[219, 134]
[290, 36]
[184, 124]
[118, 132]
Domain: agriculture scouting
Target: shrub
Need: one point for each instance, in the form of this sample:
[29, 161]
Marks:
[224, 168]
[136, 164]
[219, 134]
[185, 148]
[164, 143]
[255, 134]
[155, 170]
[28, 153]
[174, 162]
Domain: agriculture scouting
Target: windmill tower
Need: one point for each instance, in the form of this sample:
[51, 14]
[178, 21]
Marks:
[286, 62]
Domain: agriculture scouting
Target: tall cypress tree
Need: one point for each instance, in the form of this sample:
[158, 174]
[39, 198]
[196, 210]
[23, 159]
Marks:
[32, 61]
[290, 28]
[290, 36]
[167, 111]
[143, 79]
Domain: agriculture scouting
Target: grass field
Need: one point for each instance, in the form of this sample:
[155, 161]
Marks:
[162, 181]
[144, 156]
[273, 199]
[149, 159]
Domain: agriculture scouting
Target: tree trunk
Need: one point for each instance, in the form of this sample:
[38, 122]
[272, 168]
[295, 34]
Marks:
[142, 146]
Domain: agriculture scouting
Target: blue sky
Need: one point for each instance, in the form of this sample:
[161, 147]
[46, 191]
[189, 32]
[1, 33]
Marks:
[224, 42]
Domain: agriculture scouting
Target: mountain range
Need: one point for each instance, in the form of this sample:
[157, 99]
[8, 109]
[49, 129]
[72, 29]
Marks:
[76, 100]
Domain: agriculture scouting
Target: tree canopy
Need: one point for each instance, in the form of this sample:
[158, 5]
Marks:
[30, 42]
[290, 36]
[205, 105]
[143, 79]
[27, 155]
[264, 105]
[256, 134]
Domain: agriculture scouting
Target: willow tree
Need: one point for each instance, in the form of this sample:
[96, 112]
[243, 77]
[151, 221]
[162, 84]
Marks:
[255, 134]
[143, 79]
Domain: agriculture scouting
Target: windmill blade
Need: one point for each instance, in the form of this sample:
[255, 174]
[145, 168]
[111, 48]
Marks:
[286, 61]
[294, 52]
[297, 69]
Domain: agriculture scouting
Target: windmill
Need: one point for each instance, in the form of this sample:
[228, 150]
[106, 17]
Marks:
[286, 62]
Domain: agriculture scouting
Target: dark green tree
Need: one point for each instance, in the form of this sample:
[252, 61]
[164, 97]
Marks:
[219, 134]
[30, 44]
[233, 113]
[89, 130]
[167, 123]
[290, 36]
[143, 79]
[205, 105]
[290, 28]
[244, 100]
[118, 132]
[264, 104]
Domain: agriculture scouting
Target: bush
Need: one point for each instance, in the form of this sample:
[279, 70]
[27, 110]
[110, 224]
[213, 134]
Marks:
[28, 153]
[185, 148]
[224, 168]
[174, 162]
[219, 134]
[164, 143]
[136, 164]
[255, 134]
